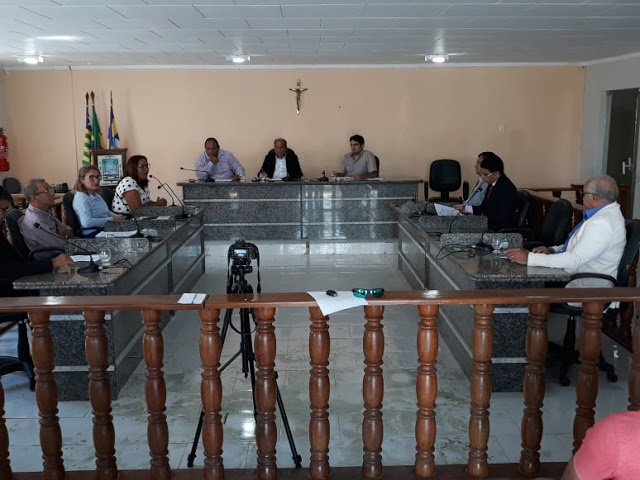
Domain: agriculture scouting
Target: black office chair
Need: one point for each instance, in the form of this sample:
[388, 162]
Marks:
[23, 361]
[554, 225]
[12, 220]
[377, 164]
[567, 353]
[444, 177]
[11, 185]
[524, 204]
[107, 194]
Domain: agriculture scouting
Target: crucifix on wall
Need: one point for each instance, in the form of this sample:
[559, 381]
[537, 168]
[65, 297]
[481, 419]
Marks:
[298, 91]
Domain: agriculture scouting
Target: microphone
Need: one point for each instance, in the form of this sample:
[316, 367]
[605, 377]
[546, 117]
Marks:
[91, 268]
[201, 171]
[477, 190]
[455, 217]
[138, 233]
[481, 246]
[172, 194]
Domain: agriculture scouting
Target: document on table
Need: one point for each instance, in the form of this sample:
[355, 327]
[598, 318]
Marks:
[128, 233]
[85, 258]
[344, 299]
[192, 298]
[445, 211]
[163, 217]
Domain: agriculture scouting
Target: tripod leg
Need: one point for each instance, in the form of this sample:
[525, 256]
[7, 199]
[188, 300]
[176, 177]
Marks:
[196, 439]
[225, 326]
[297, 459]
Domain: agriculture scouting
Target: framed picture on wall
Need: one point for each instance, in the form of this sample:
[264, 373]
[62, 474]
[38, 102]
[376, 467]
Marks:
[110, 163]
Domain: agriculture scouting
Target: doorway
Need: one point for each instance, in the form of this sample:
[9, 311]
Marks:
[621, 144]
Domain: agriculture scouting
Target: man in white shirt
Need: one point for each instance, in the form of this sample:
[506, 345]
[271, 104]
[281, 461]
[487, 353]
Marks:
[594, 245]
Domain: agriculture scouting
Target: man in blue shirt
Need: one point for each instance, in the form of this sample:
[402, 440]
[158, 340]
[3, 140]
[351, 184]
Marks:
[217, 164]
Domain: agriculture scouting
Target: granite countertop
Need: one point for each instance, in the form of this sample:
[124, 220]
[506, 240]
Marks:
[304, 182]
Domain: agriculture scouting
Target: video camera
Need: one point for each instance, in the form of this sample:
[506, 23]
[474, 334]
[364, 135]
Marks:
[242, 253]
[239, 258]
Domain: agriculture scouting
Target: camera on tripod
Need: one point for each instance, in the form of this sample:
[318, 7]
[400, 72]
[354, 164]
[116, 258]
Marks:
[239, 258]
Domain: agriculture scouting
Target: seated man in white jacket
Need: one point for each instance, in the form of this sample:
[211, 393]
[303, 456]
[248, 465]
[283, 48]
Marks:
[594, 245]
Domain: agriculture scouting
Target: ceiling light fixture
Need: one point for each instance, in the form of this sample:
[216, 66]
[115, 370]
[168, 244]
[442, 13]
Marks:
[436, 58]
[31, 59]
[238, 58]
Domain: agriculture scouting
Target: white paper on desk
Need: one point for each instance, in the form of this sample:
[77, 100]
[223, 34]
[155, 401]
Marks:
[163, 217]
[85, 258]
[128, 233]
[445, 211]
[343, 300]
[192, 298]
[218, 180]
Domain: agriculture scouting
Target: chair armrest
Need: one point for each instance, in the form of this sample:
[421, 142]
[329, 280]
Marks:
[602, 276]
[426, 191]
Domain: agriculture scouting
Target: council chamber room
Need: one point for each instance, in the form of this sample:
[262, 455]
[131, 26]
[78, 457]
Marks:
[312, 240]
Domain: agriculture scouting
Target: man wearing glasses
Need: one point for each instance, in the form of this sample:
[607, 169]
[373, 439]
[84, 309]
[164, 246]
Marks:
[41, 199]
[501, 197]
[594, 245]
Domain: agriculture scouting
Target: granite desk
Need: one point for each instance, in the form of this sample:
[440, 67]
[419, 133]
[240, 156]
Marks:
[341, 210]
[427, 262]
[171, 266]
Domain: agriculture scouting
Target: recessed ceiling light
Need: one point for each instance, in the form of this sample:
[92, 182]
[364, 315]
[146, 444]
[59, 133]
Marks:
[31, 59]
[436, 58]
[238, 58]
[60, 38]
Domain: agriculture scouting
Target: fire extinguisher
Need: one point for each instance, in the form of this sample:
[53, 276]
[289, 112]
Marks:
[4, 152]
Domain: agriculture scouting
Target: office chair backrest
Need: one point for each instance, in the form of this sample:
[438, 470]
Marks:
[445, 177]
[524, 203]
[555, 223]
[107, 194]
[13, 225]
[12, 185]
[377, 164]
[629, 253]
[70, 213]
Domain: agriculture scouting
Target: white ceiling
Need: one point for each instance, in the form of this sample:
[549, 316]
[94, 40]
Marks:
[316, 32]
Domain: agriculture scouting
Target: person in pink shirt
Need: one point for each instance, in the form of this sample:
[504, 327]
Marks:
[610, 450]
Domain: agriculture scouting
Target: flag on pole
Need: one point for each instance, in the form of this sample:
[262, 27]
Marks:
[86, 154]
[95, 126]
[114, 138]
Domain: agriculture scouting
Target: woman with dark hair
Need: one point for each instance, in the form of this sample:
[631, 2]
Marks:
[133, 190]
[90, 207]
[12, 264]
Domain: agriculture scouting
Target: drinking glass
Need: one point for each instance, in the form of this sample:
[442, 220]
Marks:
[262, 176]
[105, 256]
[496, 242]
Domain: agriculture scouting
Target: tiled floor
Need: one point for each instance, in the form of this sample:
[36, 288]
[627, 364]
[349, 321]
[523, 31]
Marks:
[300, 273]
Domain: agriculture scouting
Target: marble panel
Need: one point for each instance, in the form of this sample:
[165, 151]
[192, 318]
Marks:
[234, 190]
[457, 223]
[370, 209]
[252, 232]
[342, 231]
[253, 211]
[400, 190]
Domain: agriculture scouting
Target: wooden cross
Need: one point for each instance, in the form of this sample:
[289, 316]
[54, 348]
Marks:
[298, 91]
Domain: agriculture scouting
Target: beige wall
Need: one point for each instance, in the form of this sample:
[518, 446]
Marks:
[407, 116]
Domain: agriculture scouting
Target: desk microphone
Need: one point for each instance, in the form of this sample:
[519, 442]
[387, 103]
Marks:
[477, 190]
[455, 217]
[481, 246]
[91, 268]
[201, 171]
[138, 233]
[172, 194]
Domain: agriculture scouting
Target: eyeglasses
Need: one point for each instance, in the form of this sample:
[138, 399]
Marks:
[589, 193]
[46, 190]
[368, 292]
[94, 177]
[485, 175]
[144, 167]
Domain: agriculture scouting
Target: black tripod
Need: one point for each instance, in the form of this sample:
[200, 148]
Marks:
[237, 284]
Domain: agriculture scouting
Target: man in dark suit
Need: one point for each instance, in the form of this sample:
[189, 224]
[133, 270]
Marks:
[12, 264]
[282, 162]
[501, 200]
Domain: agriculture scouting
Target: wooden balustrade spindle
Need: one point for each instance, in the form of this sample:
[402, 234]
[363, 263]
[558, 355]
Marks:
[211, 391]
[534, 388]
[5, 467]
[319, 389]
[372, 392]
[265, 393]
[155, 392]
[46, 397]
[482, 348]
[100, 395]
[590, 344]
[426, 390]
[626, 315]
[634, 374]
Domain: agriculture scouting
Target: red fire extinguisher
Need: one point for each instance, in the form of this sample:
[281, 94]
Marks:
[4, 152]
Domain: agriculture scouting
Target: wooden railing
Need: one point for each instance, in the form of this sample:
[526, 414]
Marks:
[264, 305]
